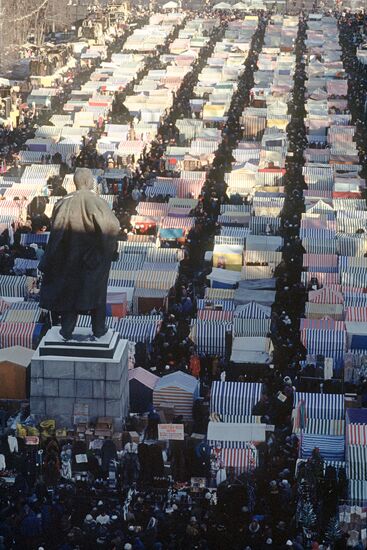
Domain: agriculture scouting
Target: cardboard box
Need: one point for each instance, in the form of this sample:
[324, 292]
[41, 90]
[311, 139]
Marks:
[104, 422]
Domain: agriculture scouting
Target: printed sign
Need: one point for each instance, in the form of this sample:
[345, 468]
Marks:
[171, 431]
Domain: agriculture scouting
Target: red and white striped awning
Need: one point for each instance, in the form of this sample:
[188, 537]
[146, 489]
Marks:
[357, 434]
[242, 460]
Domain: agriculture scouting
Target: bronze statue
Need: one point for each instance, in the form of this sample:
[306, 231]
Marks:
[78, 257]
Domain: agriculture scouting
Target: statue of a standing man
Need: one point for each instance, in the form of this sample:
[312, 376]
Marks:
[78, 257]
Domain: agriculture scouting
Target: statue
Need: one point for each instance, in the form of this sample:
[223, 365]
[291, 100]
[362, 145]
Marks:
[78, 257]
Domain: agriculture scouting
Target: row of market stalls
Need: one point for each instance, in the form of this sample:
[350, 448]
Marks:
[333, 232]
[247, 251]
[235, 316]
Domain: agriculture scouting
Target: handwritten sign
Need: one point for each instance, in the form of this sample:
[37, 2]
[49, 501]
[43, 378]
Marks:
[171, 432]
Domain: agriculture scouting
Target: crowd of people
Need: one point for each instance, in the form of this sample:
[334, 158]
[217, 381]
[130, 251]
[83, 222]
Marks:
[136, 507]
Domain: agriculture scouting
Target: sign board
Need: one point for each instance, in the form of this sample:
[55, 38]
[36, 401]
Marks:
[32, 440]
[81, 459]
[171, 432]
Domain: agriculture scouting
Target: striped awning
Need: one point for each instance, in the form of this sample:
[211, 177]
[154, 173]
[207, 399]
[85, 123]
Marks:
[356, 314]
[253, 310]
[162, 280]
[234, 397]
[331, 447]
[329, 343]
[214, 315]
[322, 324]
[316, 234]
[357, 434]
[251, 327]
[241, 460]
[20, 334]
[22, 312]
[152, 209]
[357, 462]
[35, 173]
[351, 245]
[325, 427]
[176, 392]
[22, 265]
[14, 286]
[324, 278]
[86, 321]
[325, 295]
[258, 224]
[137, 330]
[326, 263]
[38, 238]
[357, 490]
[323, 406]
[210, 336]
[219, 293]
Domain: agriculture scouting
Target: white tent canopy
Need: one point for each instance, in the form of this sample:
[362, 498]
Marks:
[222, 6]
[227, 431]
[170, 5]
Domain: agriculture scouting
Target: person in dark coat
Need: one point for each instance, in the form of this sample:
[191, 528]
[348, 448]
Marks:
[108, 453]
[78, 257]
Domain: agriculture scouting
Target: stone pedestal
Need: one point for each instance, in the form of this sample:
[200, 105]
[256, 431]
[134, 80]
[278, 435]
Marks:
[80, 372]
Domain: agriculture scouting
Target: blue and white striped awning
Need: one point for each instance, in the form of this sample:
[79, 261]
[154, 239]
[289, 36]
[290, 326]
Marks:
[136, 330]
[323, 426]
[317, 234]
[85, 321]
[251, 327]
[240, 419]
[258, 224]
[121, 282]
[38, 238]
[253, 310]
[325, 406]
[240, 232]
[228, 240]
[210, 336]
[13, 286]
[352, 300]
[332, 447]
[357, 490]
[227, 398]
[21, 265]
[329, 343]
[357, 462]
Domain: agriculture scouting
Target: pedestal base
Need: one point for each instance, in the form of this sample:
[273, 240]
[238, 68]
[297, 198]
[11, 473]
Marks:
[79, 371]
[82, 344]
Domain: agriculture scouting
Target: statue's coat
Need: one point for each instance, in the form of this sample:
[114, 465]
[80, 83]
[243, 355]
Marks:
[78, 256]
